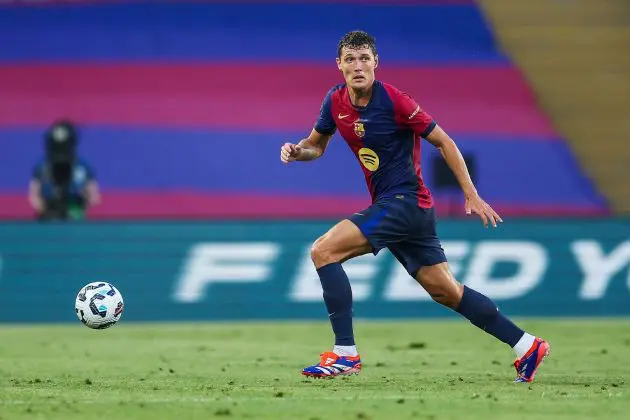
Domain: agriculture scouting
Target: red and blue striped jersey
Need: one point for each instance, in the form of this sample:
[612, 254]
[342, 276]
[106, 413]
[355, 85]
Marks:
[385, 137]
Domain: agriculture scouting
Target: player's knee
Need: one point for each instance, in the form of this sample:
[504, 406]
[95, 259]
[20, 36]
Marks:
[321, 253]
[442, 287]
[441, 293]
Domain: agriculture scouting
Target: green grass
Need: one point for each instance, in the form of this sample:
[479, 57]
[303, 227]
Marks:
[415, 370]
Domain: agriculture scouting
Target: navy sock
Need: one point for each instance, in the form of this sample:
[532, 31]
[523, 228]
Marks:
[338, 299]
[483, 313]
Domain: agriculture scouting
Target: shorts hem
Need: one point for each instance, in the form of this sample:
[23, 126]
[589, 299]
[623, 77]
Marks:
[375, 249]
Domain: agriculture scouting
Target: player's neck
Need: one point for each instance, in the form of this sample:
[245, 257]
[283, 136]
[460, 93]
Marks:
[360, 97]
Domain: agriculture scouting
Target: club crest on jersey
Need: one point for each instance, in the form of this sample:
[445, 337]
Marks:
[369, 159]
[359, 130]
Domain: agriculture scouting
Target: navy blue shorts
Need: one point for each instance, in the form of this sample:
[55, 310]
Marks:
[407, 230]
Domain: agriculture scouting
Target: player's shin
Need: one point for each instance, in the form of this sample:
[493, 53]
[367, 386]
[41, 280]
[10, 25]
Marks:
[338, 300]
[483, 313]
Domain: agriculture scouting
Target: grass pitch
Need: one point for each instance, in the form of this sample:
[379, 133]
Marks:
[412, 370]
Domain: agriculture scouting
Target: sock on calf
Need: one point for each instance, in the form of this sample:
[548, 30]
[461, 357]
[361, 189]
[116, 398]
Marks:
[483, 313]
[338, 300]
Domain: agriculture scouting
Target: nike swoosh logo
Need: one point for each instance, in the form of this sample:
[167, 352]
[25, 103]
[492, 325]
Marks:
[413, 114]
[341, 116]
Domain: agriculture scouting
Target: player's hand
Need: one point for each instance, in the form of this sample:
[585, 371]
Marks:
[474, 204]
[290, 152]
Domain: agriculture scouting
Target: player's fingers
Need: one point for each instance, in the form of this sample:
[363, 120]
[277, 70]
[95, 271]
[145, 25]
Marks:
[467, 207]
[496, 216]
[484, 219]
[488, 212]
[491, 217]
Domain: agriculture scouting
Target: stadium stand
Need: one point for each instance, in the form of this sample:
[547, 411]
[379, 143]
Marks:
[184, 105]
[571, 56]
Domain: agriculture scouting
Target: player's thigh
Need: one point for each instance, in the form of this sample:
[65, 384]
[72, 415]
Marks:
[383, 223]
[421, 247]
[342, 242]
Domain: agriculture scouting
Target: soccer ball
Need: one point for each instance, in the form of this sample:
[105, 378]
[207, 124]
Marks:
[99, 305]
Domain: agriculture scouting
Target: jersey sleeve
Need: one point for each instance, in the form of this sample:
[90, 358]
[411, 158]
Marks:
[325, 123]
[409, 114]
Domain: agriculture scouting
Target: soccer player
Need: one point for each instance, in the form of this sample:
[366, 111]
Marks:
[383, 127]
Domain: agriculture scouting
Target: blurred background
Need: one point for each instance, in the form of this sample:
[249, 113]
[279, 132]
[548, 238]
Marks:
[140, 145]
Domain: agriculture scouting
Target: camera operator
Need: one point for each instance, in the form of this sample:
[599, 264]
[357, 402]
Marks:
[63, 186]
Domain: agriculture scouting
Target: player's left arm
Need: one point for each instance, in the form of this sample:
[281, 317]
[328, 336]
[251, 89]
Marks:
[455, 161]
[409, 114]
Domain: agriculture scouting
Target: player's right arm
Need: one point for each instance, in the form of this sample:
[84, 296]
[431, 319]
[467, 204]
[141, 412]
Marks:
[313, 146]
[307, 149]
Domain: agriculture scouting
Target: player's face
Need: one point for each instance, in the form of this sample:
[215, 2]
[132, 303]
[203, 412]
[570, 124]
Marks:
[357, 66]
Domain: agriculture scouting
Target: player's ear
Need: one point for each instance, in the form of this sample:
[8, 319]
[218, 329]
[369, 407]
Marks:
[375, 61]
[338, 63]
